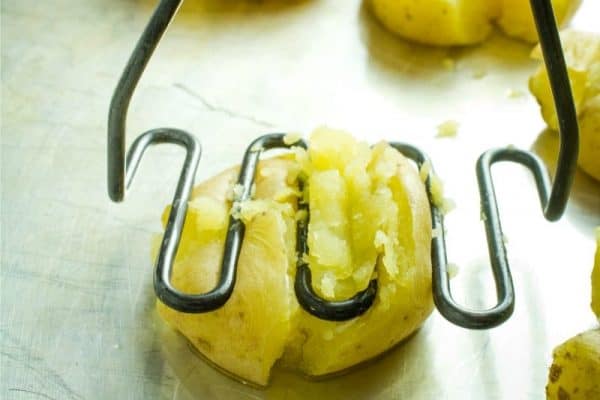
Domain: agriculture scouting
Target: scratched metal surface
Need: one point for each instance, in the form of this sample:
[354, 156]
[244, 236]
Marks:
[77, 306]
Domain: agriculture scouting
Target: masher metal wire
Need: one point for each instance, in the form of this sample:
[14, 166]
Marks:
[553, 197]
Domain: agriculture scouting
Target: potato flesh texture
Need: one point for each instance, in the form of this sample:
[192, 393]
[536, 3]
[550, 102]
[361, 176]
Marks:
[516, 17]
[582, 55]
[404, 295]
[247, 335]
[342, 233]
[437, 22]
[589, 138]
[575, 370]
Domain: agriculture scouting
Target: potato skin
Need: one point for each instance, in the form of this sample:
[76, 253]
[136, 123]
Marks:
[248, 334]
[463, 22]
[263, 321]
[575, 370]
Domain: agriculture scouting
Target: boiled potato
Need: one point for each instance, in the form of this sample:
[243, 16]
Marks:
[516, 18]
[437, 22]
[369, 217]
[596, 277]
[575, 370]
[582, 55]
[463, 22]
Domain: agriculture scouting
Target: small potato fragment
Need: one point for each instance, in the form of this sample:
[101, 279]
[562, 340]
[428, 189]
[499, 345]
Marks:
[575, 370]
[437, 22]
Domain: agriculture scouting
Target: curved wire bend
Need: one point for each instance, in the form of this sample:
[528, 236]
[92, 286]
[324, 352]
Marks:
[117, 115]
[340, 310]
[442, 295]
[565, 108]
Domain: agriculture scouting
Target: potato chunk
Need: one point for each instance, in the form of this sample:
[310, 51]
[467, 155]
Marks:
[516, 17]
[463, 22]
[369, 218]
[575, 370]
[437, 22]
[582, 55]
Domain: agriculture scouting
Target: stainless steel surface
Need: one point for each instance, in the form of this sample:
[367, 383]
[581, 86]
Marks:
[78, 316]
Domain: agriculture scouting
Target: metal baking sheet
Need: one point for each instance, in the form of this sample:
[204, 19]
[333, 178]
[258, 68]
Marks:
[78, 319]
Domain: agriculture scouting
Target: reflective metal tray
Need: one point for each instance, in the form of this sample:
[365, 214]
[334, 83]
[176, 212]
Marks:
[78, 317]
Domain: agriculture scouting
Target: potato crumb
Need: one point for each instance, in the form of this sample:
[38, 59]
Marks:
[436, 232]
[436, 188]
[236, 209]
[514, 93]
[447, 129]
[257, 147]
[504, 238]
[291, 138]
[237, 191]
[424, 171]
[301, 215]
[452, 270]
[445, 205]
[482, 216]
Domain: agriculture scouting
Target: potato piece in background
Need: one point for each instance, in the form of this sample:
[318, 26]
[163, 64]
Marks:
[582, 56]
[575, 370]
[516, 18]
[596, 277]
[437, 22]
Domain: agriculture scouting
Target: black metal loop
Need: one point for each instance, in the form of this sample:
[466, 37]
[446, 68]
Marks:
[340, 310]
[218, 296]
[442, 295]
[117, 116]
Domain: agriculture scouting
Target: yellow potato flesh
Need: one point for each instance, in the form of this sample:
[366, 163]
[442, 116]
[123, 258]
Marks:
[582, 55]
[575, 370]
[388, 229]
[463, 22]
[437, 22]
[369, 217]
[516, 18]
[248, 334]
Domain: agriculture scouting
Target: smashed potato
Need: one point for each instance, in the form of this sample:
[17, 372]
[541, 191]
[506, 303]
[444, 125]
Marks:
[369, 218]
[463, 22]
[582, 56]
[575, 370]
